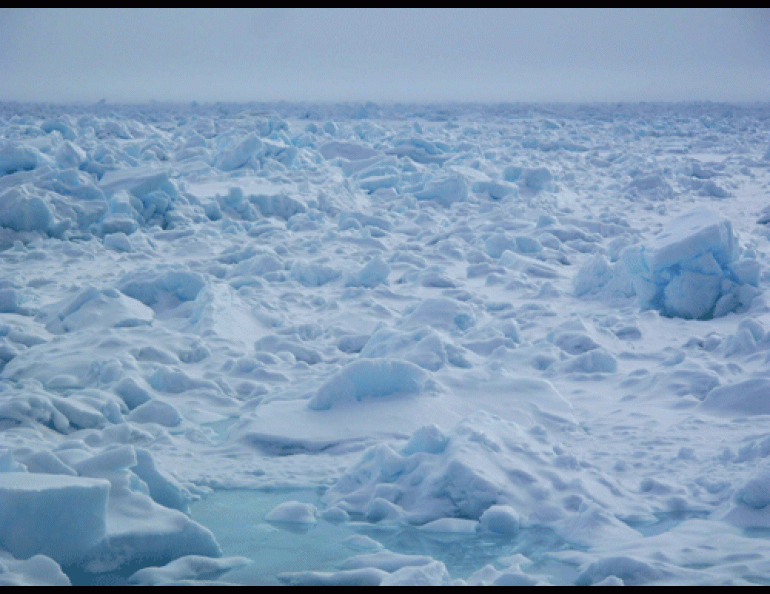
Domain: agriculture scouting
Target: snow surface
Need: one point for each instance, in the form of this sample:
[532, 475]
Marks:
[462, 344]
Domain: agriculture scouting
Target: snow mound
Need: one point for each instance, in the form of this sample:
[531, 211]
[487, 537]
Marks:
[649, 187]
[431, 574]
[599, 276]
[422, 346]
[370, 378]
[441, 313]
[502, 519]
[749, 397]
[692, 269]
[107, 308]
[381, 568]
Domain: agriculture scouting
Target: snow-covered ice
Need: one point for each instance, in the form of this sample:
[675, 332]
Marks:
[342, 344]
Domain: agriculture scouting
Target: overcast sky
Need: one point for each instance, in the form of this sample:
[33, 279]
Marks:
[65, 54]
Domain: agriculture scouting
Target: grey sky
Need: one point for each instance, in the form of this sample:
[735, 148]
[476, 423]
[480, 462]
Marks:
[61, 54]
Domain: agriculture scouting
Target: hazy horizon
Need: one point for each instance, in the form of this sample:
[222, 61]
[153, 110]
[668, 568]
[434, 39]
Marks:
[384, 55]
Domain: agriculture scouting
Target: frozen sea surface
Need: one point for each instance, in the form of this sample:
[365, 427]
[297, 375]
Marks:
[362, 344]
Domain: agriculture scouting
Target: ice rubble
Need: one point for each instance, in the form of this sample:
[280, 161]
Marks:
[336, 285]
[487, 470]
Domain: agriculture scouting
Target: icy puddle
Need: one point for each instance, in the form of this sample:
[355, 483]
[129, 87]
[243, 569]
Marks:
[237, 519]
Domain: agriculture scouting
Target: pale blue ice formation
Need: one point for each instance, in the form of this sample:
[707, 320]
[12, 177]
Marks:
[693, 269]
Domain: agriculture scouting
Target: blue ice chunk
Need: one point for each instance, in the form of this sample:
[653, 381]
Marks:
[692, 269]
[56, 515]
[21, 211]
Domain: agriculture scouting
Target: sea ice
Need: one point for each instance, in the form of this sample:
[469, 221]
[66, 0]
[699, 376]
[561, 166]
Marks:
[491, 344]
